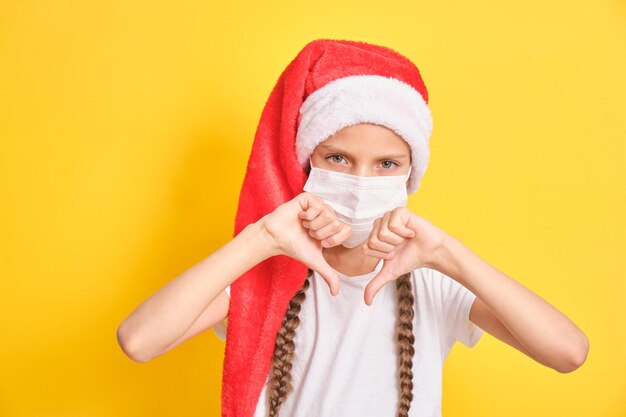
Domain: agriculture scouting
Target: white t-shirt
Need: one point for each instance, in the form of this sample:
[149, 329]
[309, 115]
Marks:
[346, 356]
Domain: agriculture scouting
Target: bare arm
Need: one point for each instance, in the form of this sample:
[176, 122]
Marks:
[159, 322]
[542, 331]
[191, 302]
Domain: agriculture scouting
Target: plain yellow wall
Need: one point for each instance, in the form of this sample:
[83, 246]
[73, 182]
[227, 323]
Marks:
[125, 129]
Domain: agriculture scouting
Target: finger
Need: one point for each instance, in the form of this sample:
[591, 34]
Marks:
[329, 230]
[376, 253]
[398, 224]
[374, 243]
[385, 234]
[310, 200]
[324, 218]
[310, 213]
[327, 273]
[373, 287]
[338, 238]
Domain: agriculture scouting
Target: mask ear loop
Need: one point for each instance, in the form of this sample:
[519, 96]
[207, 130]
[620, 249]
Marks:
[308, 171]
[408, 175]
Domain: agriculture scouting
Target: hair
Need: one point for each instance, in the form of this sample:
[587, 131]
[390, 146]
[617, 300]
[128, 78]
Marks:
[280, 382]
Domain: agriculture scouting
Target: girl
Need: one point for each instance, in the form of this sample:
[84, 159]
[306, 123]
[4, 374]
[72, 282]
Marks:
[340, 300]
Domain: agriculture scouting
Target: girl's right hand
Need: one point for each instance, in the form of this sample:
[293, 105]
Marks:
[284, 228]
[323, 224]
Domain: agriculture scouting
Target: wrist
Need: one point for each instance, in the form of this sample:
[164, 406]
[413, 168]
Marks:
[263, 243]
[445, 256]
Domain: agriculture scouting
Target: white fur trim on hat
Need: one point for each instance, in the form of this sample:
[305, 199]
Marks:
[374, 99]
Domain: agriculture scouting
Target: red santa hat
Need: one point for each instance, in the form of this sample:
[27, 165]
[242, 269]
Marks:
[329, 85]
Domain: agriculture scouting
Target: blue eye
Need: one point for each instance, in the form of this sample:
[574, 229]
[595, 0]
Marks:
[393, 163]
[335, 156]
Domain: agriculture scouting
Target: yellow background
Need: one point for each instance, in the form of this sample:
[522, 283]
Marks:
[125, 129]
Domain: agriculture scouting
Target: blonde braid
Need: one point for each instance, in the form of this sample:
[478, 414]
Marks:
[406, 341]
[280, 383]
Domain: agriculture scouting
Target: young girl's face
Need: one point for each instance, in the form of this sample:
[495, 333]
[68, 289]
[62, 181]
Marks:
[364, 149]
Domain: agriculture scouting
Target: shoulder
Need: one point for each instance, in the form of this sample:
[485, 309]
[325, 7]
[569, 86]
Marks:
[436, 279]
[454, 302]
[430, 279]
[439, 286]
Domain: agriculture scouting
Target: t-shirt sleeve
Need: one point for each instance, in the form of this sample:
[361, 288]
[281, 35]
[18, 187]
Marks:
[457, 302]
[220, 328]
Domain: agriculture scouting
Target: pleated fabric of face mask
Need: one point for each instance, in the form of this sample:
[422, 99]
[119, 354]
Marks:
[358, 200]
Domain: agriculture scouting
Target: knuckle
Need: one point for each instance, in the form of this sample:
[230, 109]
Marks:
[384, 234]
[394, 226]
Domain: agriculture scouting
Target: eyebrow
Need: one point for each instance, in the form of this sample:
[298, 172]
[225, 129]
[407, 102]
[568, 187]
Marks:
[334, 149]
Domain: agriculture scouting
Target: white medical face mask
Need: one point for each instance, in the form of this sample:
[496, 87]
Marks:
[357, 200]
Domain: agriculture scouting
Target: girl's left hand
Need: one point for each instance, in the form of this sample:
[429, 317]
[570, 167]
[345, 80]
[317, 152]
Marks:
[405, 241]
